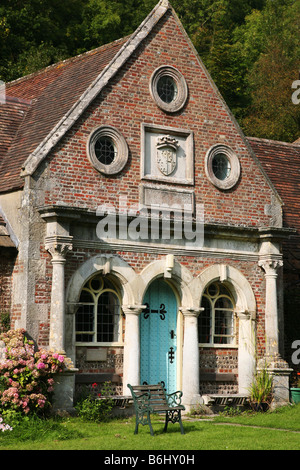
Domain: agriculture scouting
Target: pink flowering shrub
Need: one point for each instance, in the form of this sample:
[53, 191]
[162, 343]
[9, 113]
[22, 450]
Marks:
[26, 376]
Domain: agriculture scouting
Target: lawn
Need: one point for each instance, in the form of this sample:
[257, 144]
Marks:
[261, 431]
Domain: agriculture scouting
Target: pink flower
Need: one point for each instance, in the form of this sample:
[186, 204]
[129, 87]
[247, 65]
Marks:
[61, 358]
[44, 356]
[41, 365]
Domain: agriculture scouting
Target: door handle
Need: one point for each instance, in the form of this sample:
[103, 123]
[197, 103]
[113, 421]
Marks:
[172, 333]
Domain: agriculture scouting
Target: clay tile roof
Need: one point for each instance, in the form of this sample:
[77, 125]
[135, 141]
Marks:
[37, 103]
[281, 161]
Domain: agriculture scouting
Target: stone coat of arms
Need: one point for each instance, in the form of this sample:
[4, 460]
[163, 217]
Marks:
[166, 156]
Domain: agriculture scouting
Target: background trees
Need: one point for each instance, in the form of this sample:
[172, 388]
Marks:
[250, 47]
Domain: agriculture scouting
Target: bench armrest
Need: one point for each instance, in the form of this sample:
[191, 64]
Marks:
[174, 399]
[143, 399]
[140, 401]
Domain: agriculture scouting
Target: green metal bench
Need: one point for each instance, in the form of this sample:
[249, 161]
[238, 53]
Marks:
[149, 399]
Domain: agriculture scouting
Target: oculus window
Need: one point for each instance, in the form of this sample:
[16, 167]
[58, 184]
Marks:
[216, 321]
[168, 88]
[99, 313]
[222, 167]
[107, 150]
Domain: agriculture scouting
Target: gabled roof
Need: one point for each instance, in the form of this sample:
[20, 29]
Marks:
[281, 161]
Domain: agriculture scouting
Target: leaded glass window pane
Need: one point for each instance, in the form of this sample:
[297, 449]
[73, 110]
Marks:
[204, 323]
[221, 166]
[216, 322]
[105, 150]
[98, 315]
[166, 89]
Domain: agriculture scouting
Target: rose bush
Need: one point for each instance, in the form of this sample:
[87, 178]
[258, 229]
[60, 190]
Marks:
[26, 376]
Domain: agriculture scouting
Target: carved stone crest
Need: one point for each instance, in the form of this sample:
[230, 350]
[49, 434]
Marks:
[166, 156]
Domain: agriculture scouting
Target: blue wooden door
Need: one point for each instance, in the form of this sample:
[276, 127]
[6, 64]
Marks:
[158, 336]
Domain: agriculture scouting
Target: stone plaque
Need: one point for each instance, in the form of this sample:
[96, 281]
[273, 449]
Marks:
[94, 355]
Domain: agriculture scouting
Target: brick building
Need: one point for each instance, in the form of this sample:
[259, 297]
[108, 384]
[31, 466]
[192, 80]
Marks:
[145, 233]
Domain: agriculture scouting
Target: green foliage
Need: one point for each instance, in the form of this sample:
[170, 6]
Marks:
[4, 322]
[33, 429]
[41, 31]
[96, 408]
[268, 48]
[261, 389]
[231, 411]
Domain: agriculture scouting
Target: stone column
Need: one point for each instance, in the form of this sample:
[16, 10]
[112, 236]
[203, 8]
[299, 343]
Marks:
[190, 361]
[246, 352]
[131, 371]
[58, 252]
[271, 311]
[276, 366]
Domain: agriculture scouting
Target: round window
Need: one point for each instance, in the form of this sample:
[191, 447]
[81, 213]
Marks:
[107, 150]
[168, 88]
[222, 166]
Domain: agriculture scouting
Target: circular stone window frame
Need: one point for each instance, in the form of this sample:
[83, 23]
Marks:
[235, 167]
[117, 165]
[182, 89]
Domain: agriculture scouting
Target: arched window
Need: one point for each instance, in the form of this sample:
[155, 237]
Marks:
[98, 316]
[216, 321]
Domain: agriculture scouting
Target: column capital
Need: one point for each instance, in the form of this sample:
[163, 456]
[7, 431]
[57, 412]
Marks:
[58, 248]
[270, 265]
[243, 314]
[133, 309]
[190, 311]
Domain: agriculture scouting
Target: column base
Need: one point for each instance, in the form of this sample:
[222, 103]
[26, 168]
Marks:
[64, 388]
[190, 401]
[280, 371]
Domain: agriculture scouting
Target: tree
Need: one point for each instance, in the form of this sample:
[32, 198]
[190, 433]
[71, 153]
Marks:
[36, 33]
[267, 47]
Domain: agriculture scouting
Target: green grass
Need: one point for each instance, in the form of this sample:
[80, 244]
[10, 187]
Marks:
[261, 431]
